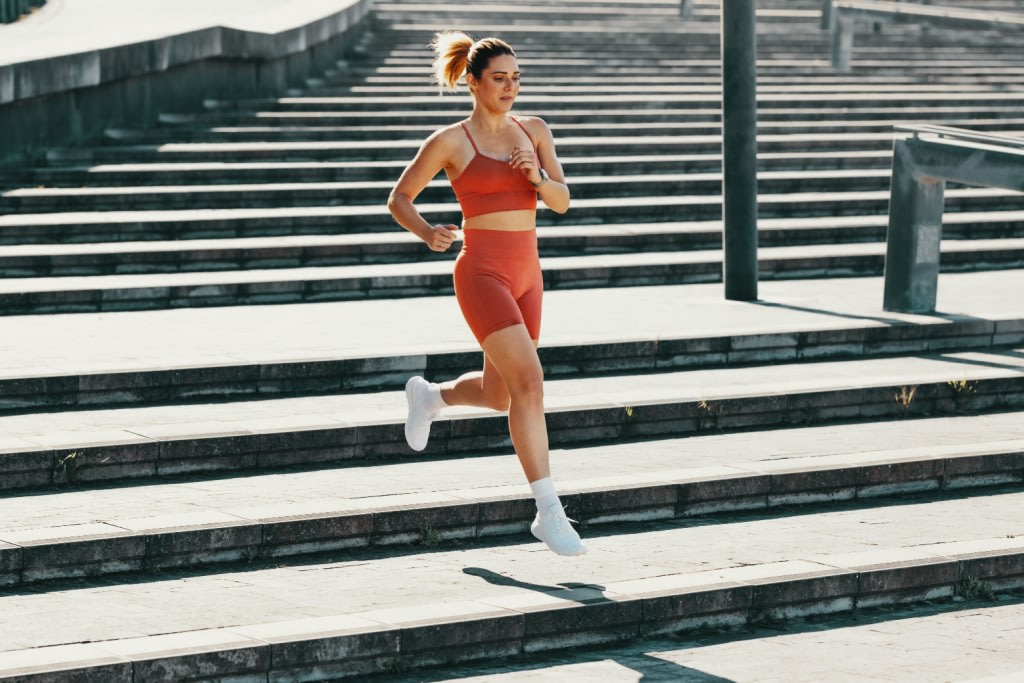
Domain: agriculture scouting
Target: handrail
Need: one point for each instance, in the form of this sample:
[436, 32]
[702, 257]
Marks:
[961, 134]
[924, 158]
[12, 10]
[839, 15]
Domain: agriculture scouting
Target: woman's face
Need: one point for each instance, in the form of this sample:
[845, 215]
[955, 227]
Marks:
[498, 85]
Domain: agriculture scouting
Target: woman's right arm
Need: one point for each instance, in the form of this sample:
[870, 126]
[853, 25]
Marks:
[431, 158]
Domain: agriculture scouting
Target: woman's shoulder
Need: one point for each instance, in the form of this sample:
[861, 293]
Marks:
[536, 126]
[445, 141]
[532, 122]
[450, 135]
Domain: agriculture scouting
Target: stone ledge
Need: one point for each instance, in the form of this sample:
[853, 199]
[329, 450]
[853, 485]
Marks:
[377, 641]
[120, 547]
[57, 74]
[140, 386]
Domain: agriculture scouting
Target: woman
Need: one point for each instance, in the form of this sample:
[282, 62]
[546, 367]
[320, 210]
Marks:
[498, 165]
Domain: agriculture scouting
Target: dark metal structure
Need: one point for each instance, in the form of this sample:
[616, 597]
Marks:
[924, 158]
[739, 149]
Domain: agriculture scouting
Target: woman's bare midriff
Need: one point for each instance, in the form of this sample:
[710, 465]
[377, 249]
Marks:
[525, 219]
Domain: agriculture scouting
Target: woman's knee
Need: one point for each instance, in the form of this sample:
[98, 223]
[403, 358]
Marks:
[527, 385]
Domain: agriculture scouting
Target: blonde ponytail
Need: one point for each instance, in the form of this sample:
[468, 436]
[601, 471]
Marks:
[457, 54]
[452, 50]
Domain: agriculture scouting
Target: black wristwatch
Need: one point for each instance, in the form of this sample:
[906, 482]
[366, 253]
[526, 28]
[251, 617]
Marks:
[543, 178]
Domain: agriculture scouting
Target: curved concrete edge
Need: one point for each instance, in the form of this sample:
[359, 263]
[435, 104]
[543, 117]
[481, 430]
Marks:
[71, 99]
[51, 75]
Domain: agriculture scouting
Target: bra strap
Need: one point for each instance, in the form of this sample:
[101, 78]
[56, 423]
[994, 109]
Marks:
[471, 141]
[528, 136]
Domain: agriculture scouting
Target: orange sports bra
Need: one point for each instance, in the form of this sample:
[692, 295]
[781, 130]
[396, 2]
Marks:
[488, 185]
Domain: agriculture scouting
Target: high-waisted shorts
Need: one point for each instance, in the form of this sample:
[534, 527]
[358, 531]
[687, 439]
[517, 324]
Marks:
[498, 281]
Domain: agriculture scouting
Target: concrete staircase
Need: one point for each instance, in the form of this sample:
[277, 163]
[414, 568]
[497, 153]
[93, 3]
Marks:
[209, 322]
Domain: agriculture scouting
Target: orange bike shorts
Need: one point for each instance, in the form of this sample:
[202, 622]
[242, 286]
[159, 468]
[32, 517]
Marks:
[498, 281]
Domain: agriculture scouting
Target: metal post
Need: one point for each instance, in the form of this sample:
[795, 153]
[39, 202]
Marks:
[686, 9]
[739, 149]
[842, 41]
[915, 230]
[827, 14]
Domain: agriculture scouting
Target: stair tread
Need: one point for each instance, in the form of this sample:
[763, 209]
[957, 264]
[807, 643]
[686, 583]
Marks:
[80, 429]
[440, 267]
[111, 511]
[36, 346]
[379, 591]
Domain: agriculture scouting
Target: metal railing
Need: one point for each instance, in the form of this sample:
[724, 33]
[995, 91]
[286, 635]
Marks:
[924, 158]
[12, 10]
[840, 15]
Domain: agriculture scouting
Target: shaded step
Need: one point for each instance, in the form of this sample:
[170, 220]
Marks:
[233, 380]
[351, 193]
[116, 226]
[24, 296]
[168, 526]
[560, 117]
[102, 445]
[385, 150]
[308, 133]
[460, 104]
[485, 602]
[333, 171]
[960, 639]
[178, 354]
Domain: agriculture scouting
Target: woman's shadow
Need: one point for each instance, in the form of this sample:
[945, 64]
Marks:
[649, 668]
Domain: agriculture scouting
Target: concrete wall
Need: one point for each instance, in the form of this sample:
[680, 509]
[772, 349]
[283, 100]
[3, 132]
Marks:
[72, 99]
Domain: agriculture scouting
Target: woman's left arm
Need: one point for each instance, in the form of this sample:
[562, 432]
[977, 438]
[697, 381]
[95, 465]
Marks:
[553, 190]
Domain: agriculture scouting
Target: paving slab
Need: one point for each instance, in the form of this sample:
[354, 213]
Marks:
[398, 280]
[901, 552]
[183, 338]
[956, 642]
[223, 521]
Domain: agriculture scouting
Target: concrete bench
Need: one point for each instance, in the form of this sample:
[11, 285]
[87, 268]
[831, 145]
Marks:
[924, 159]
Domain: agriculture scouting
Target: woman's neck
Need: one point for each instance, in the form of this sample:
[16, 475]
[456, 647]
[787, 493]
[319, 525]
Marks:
[489, 122]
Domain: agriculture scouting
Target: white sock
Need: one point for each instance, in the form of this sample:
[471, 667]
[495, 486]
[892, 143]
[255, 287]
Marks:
[434, 400]
[544, 493]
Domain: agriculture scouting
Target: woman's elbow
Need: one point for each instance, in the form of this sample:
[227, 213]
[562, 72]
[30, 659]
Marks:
[394, 202]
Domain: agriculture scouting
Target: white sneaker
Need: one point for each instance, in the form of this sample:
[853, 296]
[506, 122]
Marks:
[552, 526]
[417, 424]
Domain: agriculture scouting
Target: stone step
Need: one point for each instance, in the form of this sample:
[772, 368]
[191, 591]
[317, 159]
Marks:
[375, 192]
[127, 292]
[460, 103]
[140, 175]
[119, 531]
[304, 251]
[487, 601]
[630, 86]
[119, 226]
[73, 447]
[968, 638]
[171, 356]
[311, 133]
[566, 117]
[122, 376]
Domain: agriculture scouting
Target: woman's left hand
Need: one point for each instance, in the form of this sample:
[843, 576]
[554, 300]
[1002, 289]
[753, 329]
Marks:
[524, 159]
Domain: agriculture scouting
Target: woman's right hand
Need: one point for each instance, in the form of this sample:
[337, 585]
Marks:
[441, 237]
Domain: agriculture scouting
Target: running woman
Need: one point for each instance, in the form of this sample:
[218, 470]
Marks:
[498, 166]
